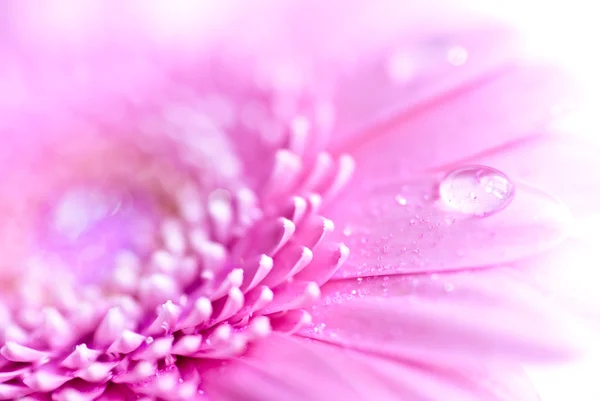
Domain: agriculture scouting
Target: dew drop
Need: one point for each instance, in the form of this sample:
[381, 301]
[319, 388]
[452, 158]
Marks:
[476, 190]
[457, 55]
[400, 200]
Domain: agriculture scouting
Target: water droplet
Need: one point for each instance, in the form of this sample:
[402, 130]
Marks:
[449, 220]
[400, 200]
[477, 190]
[457, 55]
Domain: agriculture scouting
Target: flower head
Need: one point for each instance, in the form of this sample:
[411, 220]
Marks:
[184, 225]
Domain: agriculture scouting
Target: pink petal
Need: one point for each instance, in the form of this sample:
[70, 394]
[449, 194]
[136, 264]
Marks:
[447, 317]
[482, 381]
[552, 163]
[298, 371]
[416, 70]
[394, 226]
[558, 164]
[565, 272]
[462, 122]
[302, 370]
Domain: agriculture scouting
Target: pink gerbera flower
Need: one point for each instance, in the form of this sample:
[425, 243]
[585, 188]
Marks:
[180, 223]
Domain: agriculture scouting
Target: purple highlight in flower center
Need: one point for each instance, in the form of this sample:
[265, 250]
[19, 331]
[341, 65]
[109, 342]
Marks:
[85, 226]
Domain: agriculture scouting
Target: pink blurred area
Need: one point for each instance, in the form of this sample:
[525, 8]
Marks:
[319, 42]
[62, 24]
[71, 55]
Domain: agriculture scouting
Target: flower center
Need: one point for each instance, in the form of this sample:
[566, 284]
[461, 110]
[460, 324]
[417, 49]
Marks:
[143, 262]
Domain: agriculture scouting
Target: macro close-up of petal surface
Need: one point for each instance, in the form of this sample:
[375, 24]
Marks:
[291, 201]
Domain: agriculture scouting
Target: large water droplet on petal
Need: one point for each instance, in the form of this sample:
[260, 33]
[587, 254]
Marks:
[476, 190]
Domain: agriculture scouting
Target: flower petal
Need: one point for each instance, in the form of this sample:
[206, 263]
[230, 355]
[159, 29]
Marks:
[282, 368]
[303, 370]
[449, 317]
[463, 123]
[568, 274]
[482, 381]
[556, 163]
[402, 226]
[415, 70]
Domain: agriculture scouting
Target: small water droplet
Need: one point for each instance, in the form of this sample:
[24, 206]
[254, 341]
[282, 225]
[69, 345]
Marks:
[400, 200]
[477, 190]
[449, 220]
[457, 55]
